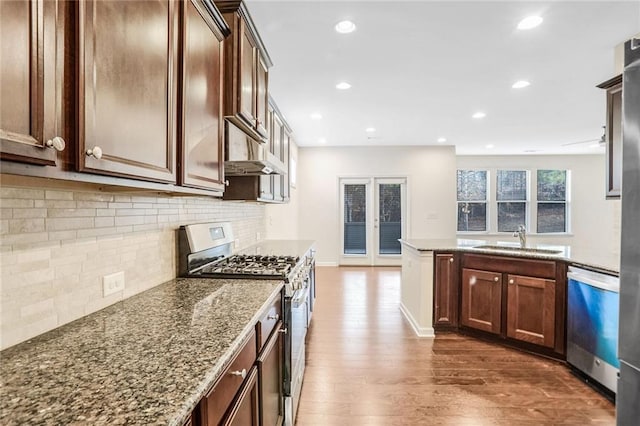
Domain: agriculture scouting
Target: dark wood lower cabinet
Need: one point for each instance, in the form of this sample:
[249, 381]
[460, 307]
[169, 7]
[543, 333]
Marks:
[445, 298]
[270, 380]
[531, 304]
[481, 300]
[519, 301]
[244, 411]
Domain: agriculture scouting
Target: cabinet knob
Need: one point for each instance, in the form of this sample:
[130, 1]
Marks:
[451, 260]
[96, 152]
[226, 182]
[283, 331]
[496, 279]
[510, 281]
[56, 143]
[242, 373]
[273, 317]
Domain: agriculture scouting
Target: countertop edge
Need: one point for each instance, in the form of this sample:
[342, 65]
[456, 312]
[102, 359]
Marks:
[511, 253]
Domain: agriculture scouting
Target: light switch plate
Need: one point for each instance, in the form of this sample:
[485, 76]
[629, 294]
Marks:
[112, 283]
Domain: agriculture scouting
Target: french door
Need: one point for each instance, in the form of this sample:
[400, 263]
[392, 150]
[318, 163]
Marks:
[372, 218]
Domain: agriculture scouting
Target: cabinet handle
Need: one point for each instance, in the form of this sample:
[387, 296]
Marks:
[242, 373]
[496, 279]
[510, 281]
[96, 152]
[451, 260]
[273, 317]
[56, 143]
[283, 331]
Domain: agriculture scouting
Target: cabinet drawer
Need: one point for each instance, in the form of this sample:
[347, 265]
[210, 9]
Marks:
[511, 265]
[218, 400]
[268, 321]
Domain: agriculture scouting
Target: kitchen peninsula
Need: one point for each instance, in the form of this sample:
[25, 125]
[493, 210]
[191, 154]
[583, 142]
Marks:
[437, 273]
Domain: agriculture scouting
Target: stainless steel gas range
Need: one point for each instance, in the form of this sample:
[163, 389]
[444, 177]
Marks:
[205, 250]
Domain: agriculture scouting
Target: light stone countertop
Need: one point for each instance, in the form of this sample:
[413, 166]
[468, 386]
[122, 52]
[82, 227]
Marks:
[579, 256]
[146, 360]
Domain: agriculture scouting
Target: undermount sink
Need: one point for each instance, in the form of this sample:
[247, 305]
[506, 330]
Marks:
[519, 249]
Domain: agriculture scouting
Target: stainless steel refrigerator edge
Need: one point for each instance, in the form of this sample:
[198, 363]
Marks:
[628, 396]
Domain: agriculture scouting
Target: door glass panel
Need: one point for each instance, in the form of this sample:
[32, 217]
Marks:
[390, 219]
[355, 218]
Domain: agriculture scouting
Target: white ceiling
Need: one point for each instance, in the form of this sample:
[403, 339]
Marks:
[420, 69]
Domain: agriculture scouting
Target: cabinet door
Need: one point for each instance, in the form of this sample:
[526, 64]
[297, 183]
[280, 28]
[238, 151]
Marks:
[247, 75]
[445, 291]
[127, 82]
[262, 95]
[201, 139]
[276, 149]
[266, 181]
[244, 411]
[286, 149]
[481, 300]
[531, 310]
[270, 380]
[28, 81]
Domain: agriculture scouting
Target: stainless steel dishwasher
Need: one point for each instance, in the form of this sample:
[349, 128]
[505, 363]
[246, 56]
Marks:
[592, 325]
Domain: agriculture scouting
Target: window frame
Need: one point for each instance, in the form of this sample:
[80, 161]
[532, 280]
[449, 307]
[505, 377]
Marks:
[526, 202]
[486, 201]
[566, 202]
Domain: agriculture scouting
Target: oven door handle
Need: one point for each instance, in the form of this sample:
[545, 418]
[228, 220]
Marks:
[300, 297]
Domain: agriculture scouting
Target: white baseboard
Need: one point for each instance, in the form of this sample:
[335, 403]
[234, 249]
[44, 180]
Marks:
[420, 331]
[326, 263]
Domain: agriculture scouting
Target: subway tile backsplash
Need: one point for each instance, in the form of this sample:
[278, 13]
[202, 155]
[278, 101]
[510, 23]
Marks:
[56, 246]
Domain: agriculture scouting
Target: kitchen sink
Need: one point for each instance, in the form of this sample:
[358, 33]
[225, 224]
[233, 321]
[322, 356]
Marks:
[518, 249]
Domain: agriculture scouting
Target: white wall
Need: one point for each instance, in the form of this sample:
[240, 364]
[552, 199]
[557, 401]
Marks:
[431, 190]
[595, 221]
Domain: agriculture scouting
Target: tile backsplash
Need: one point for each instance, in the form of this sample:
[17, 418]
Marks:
[56, 246]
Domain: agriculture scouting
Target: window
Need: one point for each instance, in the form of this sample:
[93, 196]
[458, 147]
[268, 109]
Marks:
[472, 200]
[511, 195]
[538, 199]
[552, 201]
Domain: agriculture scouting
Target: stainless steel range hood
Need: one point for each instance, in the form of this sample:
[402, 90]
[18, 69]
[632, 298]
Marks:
[244, 156]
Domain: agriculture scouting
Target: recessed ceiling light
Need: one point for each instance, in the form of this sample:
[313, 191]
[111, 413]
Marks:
[490, 146]
[442, 140]
[345, 27]
[316, 116]
[343, 85]
[479, 114]
[322, 140]
[529, 22]
[370, 129]
[520, 84]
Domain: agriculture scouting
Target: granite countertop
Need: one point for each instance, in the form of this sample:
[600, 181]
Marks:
[590, 258]
[280, 248]
[146, 360]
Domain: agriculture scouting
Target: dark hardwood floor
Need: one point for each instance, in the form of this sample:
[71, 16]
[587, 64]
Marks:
[365, 366]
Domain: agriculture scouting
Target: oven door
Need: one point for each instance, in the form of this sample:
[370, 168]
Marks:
[299, 312]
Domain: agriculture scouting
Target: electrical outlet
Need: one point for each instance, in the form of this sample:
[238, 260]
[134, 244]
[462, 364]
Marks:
[257, 236]
[112, 283]
[236, 243]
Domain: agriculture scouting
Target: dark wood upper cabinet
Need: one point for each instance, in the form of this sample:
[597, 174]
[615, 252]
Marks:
[531, 305]
[30, 84]
[276, 149]
[127, 83]
[247, 66]
[286, 155]
[201, 120]
[613, 136]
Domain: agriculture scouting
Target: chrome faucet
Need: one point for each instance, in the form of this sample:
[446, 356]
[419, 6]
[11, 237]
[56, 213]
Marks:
[522, 234]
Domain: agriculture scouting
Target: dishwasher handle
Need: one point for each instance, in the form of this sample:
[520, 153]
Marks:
[608, 282]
